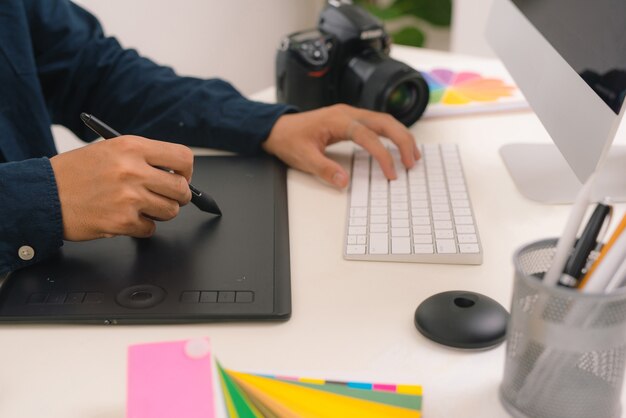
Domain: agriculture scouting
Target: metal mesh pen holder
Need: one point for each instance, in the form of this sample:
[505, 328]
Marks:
[565, 350]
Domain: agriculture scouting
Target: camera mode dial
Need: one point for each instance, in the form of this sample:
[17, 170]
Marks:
[314, 52]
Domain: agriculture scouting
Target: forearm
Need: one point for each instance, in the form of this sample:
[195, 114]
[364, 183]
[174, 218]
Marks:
[81, 70]
[30, 213]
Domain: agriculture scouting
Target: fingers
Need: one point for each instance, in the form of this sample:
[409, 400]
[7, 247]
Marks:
[386, 125]
[327, 169]
[169, 185]
[369, 140]
[175, 157]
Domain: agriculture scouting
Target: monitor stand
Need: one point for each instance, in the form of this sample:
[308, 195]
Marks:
[541, 174]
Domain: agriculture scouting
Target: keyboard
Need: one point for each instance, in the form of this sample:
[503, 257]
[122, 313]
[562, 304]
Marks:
[424, 216]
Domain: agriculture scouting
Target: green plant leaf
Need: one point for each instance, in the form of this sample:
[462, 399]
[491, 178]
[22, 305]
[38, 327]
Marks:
[436, 12]
[409, 36]
[388, 13]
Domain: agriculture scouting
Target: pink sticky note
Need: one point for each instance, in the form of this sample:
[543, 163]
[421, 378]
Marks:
[171, 379]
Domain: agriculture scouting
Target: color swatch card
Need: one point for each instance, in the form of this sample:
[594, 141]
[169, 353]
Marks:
[457, 91]
[254, 396]
[183, 379]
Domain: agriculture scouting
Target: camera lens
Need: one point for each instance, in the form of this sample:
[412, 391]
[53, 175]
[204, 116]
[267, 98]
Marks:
[401, 100]
[374, 81]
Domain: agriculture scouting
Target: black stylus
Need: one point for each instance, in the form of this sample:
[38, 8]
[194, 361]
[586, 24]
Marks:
[202, 200]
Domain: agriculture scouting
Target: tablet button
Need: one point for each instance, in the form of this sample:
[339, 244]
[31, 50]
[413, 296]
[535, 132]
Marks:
[190, 297]
[208, 297]
[140, 296]
[226, 297]
[244, 297]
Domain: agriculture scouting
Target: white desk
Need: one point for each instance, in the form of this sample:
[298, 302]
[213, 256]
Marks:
[351, 320]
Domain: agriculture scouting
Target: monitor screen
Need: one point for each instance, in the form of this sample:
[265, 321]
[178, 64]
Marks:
[598, 56]
[568, 58]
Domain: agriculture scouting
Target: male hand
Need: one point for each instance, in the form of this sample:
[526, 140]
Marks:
[112, 187]
[300, 140]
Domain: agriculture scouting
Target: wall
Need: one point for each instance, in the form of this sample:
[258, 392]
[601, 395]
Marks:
[469, 18]
[235, 40]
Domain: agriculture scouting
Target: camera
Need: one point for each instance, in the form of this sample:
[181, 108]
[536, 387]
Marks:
[346, 60]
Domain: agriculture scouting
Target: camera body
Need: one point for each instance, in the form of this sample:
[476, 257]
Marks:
[346, 60]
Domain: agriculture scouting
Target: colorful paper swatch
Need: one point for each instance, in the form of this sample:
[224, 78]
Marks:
[454, 92]
[253, 396]
[175, 379]
[171, 379]
[452, 88]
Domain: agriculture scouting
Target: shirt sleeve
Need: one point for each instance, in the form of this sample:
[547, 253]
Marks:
[28, 193]
[81, 70]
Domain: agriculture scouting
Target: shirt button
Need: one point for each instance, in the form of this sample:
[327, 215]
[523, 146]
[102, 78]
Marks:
[26, 252]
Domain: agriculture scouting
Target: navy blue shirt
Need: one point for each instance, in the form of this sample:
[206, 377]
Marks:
[55, 63]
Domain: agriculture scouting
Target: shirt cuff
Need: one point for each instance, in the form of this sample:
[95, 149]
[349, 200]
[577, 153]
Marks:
[31, 226]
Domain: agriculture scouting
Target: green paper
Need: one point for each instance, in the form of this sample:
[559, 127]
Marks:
[240, 401]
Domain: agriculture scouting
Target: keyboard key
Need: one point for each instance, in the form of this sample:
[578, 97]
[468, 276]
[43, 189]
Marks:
[400, 232]
[463, 220]
[379, 227]
[358, 212]
[469, 248]
[379, 219]
[401, 245]
[399, 223]
[358, 221]
[465, 229]
[467, 238]
[422, 229]
[379, 244]
[357, 230]
[446, 246]
[399, 214]
[355, 249]
[442, 224]
[379, 210]
[423, 249]
[444, 233]
[422, 239]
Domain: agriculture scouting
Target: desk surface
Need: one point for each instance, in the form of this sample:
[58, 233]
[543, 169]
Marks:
[351, 319]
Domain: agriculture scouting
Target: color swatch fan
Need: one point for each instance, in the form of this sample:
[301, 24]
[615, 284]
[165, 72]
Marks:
[182, 379]
[454, 92]
[256, 396]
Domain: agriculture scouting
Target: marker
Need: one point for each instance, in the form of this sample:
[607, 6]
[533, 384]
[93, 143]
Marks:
[203, 201]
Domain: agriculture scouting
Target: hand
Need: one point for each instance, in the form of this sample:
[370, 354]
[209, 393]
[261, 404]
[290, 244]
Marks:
[113, 188]
[300, 140]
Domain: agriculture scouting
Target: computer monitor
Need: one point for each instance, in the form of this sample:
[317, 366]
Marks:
[568, 57]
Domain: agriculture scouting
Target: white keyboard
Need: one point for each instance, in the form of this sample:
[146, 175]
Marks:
[424, 216]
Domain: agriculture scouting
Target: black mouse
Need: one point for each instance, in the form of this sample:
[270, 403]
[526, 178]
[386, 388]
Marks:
[462, 319]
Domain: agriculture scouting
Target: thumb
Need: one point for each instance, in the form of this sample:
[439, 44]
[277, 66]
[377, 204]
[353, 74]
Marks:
[328, 170]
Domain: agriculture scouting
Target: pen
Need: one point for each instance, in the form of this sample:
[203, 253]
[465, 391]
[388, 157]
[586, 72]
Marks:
[202, 200]
[585, 244]
[605, 249]
[567, 240]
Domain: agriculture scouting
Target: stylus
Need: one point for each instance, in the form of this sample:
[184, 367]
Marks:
[202, 200]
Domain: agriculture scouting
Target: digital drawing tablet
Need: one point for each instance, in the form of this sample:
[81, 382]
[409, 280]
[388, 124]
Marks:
[197, 267]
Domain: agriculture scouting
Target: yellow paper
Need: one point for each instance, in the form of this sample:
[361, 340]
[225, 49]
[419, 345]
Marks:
[306, 402]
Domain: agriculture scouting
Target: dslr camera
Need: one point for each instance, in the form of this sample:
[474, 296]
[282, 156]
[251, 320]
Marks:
[346, 60]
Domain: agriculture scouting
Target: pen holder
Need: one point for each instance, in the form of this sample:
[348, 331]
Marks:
[565, 350]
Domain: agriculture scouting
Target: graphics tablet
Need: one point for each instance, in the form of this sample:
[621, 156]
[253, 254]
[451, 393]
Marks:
[196, 267]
